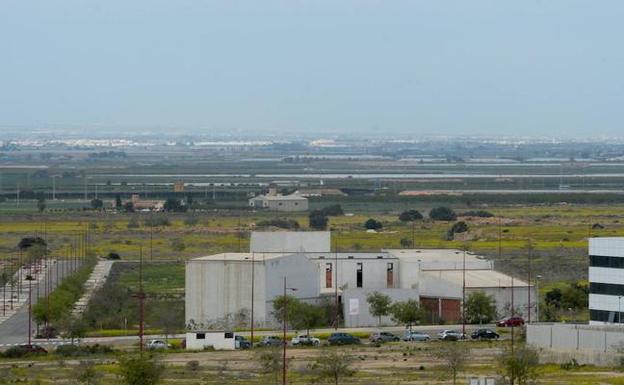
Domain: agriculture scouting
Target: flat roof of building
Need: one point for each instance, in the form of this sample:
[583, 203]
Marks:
[475, 278]
[435, 255]
[258, 256]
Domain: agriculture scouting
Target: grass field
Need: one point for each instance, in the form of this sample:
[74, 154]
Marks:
[390, 364]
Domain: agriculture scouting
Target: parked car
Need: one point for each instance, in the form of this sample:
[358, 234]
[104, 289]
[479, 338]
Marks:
[383, 337]
[157, 344]
[510, 322]
[484, 334]
[270, 341]
[26, 348]
[342, 339]
[412, 335]
[451, 335]
[305, 339]
[241, 342]
[19, 351]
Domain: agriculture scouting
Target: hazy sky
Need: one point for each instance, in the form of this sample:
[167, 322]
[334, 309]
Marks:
[421, 67]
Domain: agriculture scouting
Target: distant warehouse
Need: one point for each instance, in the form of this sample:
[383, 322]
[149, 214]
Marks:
[278, 202]
[222, 289]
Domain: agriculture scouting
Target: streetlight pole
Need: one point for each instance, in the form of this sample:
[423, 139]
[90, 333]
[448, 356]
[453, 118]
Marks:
[285, 323]
[537, 303]
[619, 309]
[464, 295]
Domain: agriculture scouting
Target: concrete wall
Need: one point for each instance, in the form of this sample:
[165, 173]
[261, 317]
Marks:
[288, 204]
[588, 344]
[300, 273]
[363, 316]
[502, 296]
[374, 271]
[217, 290]
[290, 241]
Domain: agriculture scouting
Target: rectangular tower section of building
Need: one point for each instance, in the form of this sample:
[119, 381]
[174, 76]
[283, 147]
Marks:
[606, 280]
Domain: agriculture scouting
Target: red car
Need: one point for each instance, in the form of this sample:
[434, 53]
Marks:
[510, 322]
[32, 348]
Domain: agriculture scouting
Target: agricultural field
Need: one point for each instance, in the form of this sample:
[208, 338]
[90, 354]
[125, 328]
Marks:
[390, 364]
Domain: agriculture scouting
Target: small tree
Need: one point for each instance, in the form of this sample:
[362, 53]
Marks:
[308, 317]
[118, 204]
[454, 356]
[407, 312]
[140, 370]
[442, 213]
[270, 362]
[410, 216]
[480, 308]
[520, 366]
[378, 305]
[41, 205]
[293, 305]
[459, 227]
[97, 204]
[318, 220]
[86, 373]
[174, 205]
[373, 224]
[333, 210]
[128, 207]
[332, 366]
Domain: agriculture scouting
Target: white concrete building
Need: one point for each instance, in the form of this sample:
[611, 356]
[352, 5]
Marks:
[222, 289]
[606, 280]
[278, 202]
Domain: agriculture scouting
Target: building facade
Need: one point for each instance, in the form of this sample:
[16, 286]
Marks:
[277, 202]
[606, 280]
[225, 288]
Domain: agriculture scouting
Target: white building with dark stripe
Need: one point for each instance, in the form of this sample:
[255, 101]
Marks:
[606, 280]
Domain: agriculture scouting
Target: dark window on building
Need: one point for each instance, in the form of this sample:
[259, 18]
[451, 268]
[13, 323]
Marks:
[390, 275]
[602, 261]
[229, 335]
[201, 336]
[359, 278]
[606, 289]
[606, 316]
[328, 275]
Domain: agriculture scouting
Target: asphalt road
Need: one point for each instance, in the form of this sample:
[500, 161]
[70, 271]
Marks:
[122, 341]
[15, 329]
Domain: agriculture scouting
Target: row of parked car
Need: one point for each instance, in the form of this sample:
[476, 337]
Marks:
[340, 338]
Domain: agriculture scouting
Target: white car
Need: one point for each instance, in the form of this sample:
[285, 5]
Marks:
[157, 344]
[305, 339]
[451, 335]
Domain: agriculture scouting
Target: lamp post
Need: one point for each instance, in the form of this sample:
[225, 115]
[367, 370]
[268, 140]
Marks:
[537, 279]
[285, 322]
[619, 309]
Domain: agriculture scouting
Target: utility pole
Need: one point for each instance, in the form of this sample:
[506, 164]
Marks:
[141, 299]
[285, 342]
[253, 263]
[30, 308]
[529, 255]
[53, 187]
[285, 323]
[464, 295]
[336, 283]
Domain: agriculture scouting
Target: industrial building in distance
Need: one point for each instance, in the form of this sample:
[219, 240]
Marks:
[226, 287]
[278, 202]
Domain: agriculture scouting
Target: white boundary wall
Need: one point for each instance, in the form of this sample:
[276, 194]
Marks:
[588, 344]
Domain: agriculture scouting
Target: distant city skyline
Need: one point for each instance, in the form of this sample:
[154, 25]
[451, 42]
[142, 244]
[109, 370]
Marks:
[355, 67]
